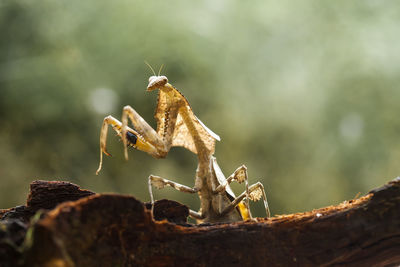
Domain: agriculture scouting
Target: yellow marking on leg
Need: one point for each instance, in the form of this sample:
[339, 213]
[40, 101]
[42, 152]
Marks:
[244, 211]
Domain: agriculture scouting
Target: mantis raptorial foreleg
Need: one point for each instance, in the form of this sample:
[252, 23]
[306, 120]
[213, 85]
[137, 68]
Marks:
[162, 140]
[131, 135]
[256, 192]
[159, 183]
[144, 128]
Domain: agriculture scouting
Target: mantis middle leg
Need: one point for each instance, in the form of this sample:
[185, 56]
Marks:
[256, 191]
[160, 183]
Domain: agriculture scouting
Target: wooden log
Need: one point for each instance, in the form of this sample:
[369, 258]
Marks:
[44, 195]
[116, 230]
[14, 222]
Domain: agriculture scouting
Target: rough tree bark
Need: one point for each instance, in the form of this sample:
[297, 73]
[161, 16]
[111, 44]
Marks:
[116, 230]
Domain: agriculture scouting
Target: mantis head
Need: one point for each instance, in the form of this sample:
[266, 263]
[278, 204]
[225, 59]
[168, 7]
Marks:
[156, 82]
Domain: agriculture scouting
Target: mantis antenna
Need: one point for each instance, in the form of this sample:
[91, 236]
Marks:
[150, 67]
[159, 72]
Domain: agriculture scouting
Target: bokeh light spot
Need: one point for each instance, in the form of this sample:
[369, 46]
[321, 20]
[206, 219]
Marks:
[102, 100]
[351, 127]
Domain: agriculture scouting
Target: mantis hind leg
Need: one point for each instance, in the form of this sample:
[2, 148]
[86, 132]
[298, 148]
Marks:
[255, 193]
[240, 175]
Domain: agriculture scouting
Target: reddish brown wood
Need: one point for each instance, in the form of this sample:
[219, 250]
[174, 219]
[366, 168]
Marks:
[169, 210]
[45, 195]
[48, 194]
[115, 230]
[14, 222]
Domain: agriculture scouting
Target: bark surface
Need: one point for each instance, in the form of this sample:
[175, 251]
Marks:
[115, 230]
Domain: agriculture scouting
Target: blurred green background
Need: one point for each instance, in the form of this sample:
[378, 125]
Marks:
[305, 93]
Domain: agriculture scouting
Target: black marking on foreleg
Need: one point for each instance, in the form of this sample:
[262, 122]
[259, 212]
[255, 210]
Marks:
[131, 137]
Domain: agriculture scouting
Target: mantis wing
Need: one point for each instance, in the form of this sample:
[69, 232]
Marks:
[221, 178]
[182, 136]
[171, 125]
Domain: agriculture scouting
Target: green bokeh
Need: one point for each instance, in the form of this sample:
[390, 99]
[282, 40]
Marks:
[305, 93]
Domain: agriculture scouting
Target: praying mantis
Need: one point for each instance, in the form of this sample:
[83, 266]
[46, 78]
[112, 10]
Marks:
[178, 126]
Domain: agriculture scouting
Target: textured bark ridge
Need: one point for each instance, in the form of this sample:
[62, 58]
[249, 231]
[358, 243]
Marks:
[116, 230]
[14, 222]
